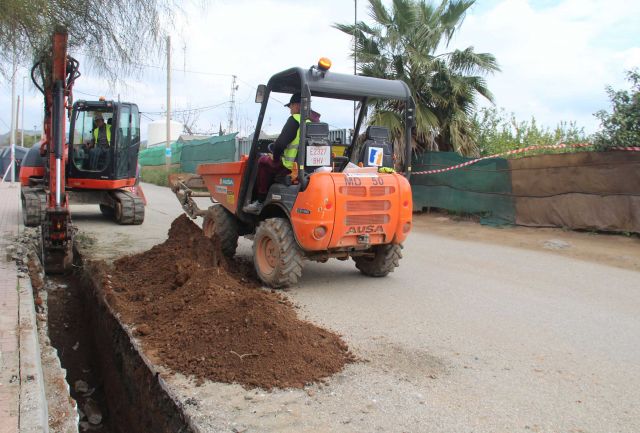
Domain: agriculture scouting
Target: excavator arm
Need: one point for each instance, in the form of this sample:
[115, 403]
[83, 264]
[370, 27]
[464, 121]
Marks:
[58, 72]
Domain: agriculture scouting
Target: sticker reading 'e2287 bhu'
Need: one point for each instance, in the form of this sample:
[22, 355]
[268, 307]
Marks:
[318, 156]
[226, 181]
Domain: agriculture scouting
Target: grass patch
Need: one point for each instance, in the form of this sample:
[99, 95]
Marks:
[158, 175]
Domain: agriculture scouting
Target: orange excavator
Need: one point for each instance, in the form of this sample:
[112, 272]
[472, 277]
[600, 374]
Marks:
[97, 163]
[330, 206]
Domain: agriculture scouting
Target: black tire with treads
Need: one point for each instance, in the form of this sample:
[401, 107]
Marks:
[274, 238]
[385, 259]
[34, 206]
[129, 208]
[223, 224]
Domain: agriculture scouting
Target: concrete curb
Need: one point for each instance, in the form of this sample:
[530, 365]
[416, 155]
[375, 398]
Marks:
[33, 403]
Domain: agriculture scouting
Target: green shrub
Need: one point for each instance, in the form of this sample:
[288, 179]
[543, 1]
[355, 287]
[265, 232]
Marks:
[157, 174]
[622, 126]
[497, 131]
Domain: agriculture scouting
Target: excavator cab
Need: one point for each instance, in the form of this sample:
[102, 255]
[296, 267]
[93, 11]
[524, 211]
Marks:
[104, 141]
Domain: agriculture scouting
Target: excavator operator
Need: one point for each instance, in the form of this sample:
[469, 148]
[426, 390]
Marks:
[101, 142]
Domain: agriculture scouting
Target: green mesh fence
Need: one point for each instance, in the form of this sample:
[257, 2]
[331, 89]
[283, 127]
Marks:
[155, 155]
[213, 149]
[483, 188]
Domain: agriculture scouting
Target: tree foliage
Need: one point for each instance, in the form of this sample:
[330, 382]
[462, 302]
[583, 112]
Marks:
[621, 127]
[404, 43]
[497, 131]
[112, 35]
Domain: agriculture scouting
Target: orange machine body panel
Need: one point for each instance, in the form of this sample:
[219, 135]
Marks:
[26, 173]
[103, 184]
[357, 209]
[223, 181]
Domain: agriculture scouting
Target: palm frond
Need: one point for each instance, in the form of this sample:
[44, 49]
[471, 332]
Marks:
[379, 13]
[402, 43]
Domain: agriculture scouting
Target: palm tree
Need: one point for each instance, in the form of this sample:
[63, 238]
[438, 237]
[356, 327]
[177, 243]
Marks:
[403, 45]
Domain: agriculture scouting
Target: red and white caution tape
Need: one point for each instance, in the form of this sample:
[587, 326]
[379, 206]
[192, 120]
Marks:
[516, 151]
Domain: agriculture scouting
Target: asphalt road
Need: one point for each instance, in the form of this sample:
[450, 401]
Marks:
[463, 337]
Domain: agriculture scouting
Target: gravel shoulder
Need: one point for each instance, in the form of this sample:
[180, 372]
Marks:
[618, 250]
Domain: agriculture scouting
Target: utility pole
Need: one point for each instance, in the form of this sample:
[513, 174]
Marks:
[234, 87]
[23, 104]
[167, 151]
[17, 117]
[355, 53]
[14, 121]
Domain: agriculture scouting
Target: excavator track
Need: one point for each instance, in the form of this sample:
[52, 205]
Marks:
[129, 208]
[34, 206]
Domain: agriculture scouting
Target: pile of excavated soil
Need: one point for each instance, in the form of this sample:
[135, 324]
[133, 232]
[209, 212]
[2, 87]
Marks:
[200, 316]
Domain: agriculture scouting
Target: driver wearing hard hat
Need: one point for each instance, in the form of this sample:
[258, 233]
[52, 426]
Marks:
[284, 153]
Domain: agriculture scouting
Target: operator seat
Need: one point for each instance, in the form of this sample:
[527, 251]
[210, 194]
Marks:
[377, 150]
[282, 190]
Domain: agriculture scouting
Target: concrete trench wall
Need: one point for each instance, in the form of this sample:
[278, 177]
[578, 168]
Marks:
[136, 393]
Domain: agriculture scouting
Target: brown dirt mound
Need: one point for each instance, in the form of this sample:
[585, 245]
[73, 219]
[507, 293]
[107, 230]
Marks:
[201, 316]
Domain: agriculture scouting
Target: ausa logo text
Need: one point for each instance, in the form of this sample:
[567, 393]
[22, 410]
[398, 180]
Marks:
[359, 230]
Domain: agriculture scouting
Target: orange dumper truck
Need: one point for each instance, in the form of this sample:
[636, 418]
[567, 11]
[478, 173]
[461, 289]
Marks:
[355, 205]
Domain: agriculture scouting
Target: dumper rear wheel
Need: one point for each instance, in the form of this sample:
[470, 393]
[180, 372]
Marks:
[221, 223]
[276, 254]
[382, 260]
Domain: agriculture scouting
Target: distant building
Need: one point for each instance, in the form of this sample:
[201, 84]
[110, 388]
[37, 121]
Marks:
[157, 132]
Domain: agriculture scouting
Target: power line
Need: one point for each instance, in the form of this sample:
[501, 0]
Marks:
[88, 94]
[146, 113]
[146, 65]
[198, 109]
[205, 108]
[255, 88]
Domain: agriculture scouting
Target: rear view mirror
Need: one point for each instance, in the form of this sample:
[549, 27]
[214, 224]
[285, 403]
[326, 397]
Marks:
[260, 92]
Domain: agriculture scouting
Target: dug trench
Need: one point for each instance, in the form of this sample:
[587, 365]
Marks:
[180, 307]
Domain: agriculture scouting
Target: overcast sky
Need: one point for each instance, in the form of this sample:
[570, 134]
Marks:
[556, 58]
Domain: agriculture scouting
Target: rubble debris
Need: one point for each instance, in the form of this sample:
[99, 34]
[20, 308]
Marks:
[10, 252]
[92, 412]
[142, 329]
[556, 244]
[81, 386]
[210, 319]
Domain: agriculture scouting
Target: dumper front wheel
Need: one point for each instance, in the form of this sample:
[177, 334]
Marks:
[381, 260]
[276, 254]
[221, 223]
